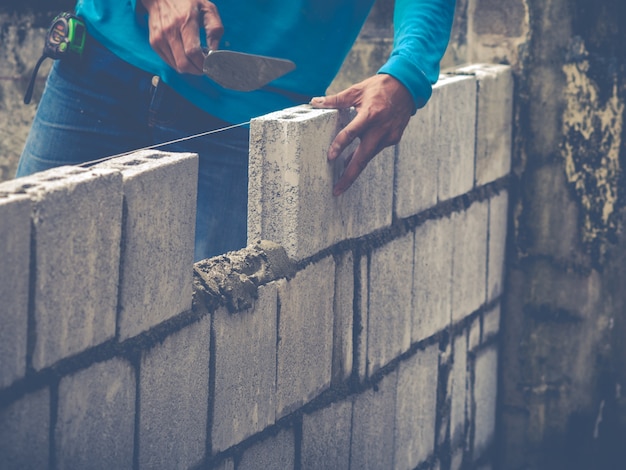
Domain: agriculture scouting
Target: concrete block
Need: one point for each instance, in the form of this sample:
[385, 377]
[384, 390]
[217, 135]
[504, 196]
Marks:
[14, 283]
[25, 432]
[76, 222]
[435, 159]
[457, 460]
[494, 121]
[474, 334]
[344, 317]
[390, 302]
[491, 323]
[432, 278]
[458, 392]
[498, 216]
[274, 453]
[173, 399]
[326, 437]
[485, 399]
[373, 426]
[305, 330]
[361, 341]
[96, 417]
[245, 370]
[469, 263]
[227, 464]
[416, 408]
[159, 225]
[290, 197]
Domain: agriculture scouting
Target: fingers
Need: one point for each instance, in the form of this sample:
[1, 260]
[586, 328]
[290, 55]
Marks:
[344, 99]
[212, 25]
[368, 148]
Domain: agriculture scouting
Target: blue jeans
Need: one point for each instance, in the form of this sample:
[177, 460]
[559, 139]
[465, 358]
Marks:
[99, 106]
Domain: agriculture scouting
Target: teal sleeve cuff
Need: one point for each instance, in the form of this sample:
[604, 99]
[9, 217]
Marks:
[409, 74]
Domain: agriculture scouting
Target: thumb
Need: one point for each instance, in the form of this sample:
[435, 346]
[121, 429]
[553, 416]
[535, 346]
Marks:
[212, 25]
[338, 101]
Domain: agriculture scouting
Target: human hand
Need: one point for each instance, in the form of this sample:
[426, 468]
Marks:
[175, 31]
[384, 107]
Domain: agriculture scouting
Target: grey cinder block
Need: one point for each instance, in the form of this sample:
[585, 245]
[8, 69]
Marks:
[326, 437]
[14, 283]
[469, 268]
[494, 121]
[173, 399]
[96, 417]
[416, 408]
[305, 343]
[373, 426]
[344, 317]
[245, 370]
[25, 432]
[458, 393]
[361, 341]
[274, 453]
[436, 154]
[158, 237]
[390, 302]
[290, 197]
[498, 216]
[491, 323]
[432, 277]
[76, 222]
[485, 398]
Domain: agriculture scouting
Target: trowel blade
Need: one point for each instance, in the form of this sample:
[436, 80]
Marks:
[244, 72]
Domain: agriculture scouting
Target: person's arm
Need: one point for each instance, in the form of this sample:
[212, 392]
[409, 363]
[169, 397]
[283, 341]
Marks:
[386, 101]
[174, 27]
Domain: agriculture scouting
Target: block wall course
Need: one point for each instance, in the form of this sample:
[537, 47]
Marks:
[458, 392]
[14, 283]
[373, 426]
[494, 122]
[435, 159]
[245, 370]
[96, 417]
[158, 233]
[344, 318]
[173, 399]
[290, 183]
[25, 432]
[76, 215]
[274, 453]
[326, 437]
[305, 335]
[469, 264]
[432, 278]
[498, 216]
[416, 408]
[361, 337]
[390, 302]
[485, 398]
[491, 323]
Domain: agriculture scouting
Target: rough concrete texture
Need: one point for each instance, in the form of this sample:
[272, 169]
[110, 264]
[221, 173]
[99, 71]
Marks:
[498, 224]
[361, 329]
[390, 302]
[485, 399]
[435, 159]
[469, 262]
[25, 432]
[232, 279]
[245, 370]
[274, 453]
[458, 391]
[305, 336]
[14, 283]
[416, 408]
[173, 399]
[326, 437]
[76, 222]
[494, 120]
[96, 417]
[373, 426]
[344, 317]
[432, 278]
[290, 197]
[227, 464]
[491, 323]
[158, 233]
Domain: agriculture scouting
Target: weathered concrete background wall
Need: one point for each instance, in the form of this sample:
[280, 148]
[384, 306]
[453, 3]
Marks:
[367, 338]
[564, 319]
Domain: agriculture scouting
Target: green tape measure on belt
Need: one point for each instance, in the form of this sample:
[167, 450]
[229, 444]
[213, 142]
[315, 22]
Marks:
[65, 38]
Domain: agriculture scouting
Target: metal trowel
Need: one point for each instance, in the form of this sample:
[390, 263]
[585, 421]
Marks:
[243, 72]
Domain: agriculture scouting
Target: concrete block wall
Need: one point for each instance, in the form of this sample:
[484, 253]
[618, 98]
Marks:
[353, 332]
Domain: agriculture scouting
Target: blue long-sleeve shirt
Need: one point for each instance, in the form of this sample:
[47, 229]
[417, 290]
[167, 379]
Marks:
[315, 34]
